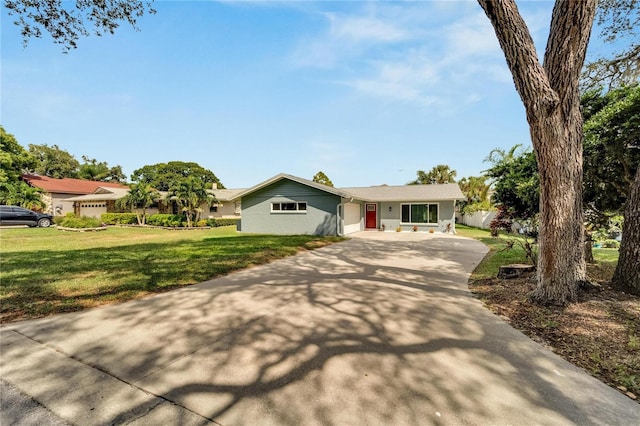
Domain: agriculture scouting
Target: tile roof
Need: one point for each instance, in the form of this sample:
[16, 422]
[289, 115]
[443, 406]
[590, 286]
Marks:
[68, 185]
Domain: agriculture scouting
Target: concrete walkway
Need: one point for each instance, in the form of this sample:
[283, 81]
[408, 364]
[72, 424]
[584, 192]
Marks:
[380, 329]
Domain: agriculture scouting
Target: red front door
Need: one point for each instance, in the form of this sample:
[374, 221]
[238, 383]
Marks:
[370, 220]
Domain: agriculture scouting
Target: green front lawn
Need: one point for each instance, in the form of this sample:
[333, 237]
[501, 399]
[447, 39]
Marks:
[47, 271]
[606, 259]
[498, 255]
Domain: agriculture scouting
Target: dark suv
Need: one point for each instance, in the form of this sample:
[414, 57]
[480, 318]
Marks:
[14, 215]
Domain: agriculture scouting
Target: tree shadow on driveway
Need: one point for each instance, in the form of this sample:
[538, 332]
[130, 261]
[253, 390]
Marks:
[362, 332]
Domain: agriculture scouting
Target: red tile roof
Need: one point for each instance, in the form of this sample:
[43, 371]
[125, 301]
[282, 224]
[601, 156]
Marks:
[67, 185]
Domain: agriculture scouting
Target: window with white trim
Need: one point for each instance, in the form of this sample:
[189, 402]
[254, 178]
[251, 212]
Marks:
[419, 213]
[287, 207]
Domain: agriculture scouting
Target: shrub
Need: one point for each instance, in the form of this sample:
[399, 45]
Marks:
[58, 219]
[202, 223]
[170, 220]
[71, 221]
[216, 222]
[119, 218]
[610, 244]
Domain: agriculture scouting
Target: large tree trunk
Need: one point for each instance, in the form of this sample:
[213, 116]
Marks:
[552, 103]
[627, 274]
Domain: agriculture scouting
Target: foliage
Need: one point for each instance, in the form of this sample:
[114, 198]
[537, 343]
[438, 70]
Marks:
[611, 149]
[53, 162]
[71, 221]
[66, 22]
[21, 194]
[166, 220]
[528, 247]
[217, 222]
[619, 21]
[91, 169]
[439, 174]
[140, 197]
[14, 159]
[503, 220]
[119, 218]
[163, 176]
[476, 192]
[123, 263]
[516, 182]
[320, 177]
[190, 194]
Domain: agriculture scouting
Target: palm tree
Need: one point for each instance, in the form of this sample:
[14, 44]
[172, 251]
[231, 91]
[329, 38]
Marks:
[190, 194]
[21, 194]
[475, 189]
[439, 174]
[140, 197]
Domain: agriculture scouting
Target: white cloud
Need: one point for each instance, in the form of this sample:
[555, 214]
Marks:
[363, 30]
[422, 53]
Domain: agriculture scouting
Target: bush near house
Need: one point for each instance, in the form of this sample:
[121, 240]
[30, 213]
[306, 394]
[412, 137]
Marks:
[119, 218]
[71, 221]
[216, 222]
[168, 220]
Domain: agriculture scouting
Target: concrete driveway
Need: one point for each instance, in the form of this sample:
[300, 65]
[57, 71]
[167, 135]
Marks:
[380, 329]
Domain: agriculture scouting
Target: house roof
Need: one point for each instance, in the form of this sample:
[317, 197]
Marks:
[68, 185]
[226, 194]
[281, 176]
[372, 193]
[448, 191]
[102, 194]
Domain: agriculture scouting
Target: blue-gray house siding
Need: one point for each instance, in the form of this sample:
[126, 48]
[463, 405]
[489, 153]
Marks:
[319, 218]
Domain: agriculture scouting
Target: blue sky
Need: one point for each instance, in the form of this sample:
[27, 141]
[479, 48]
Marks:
[368, 92]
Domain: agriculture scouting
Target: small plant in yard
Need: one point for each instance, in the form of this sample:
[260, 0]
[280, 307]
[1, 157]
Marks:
[501, 221]
[399, 229]
[415, 228]
[431, 231]
[71, 221]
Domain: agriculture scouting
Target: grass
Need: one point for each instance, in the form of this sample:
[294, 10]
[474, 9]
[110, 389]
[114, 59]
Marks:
[46, 271]
[499, 253]
[599, 333]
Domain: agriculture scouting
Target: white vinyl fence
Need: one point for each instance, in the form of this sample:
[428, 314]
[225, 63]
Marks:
[480, 219]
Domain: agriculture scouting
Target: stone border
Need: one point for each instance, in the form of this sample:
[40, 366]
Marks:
[62, 228]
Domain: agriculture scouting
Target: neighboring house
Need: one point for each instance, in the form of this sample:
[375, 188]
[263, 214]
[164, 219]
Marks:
[288, 204]
[58, 191]
[103, 200]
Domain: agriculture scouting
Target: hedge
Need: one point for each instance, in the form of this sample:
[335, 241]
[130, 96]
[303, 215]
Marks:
[216, 222]
[70, 221]
[169, 220]
[119, 218]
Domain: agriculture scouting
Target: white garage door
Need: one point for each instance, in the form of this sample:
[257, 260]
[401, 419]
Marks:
[351, 218]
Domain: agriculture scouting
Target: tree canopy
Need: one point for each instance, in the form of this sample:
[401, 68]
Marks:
[516, 183]
[52, 161]
[14, 159]
[92, 169]
[320, 177]
[439, 174]
[619, 21]
[163, 176]
[611, 147]
[67, 21]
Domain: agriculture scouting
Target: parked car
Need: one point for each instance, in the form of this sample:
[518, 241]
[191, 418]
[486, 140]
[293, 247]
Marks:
[14, 215]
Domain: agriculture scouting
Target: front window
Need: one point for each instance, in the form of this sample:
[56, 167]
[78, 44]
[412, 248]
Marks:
[419, 213]
[289, 207]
